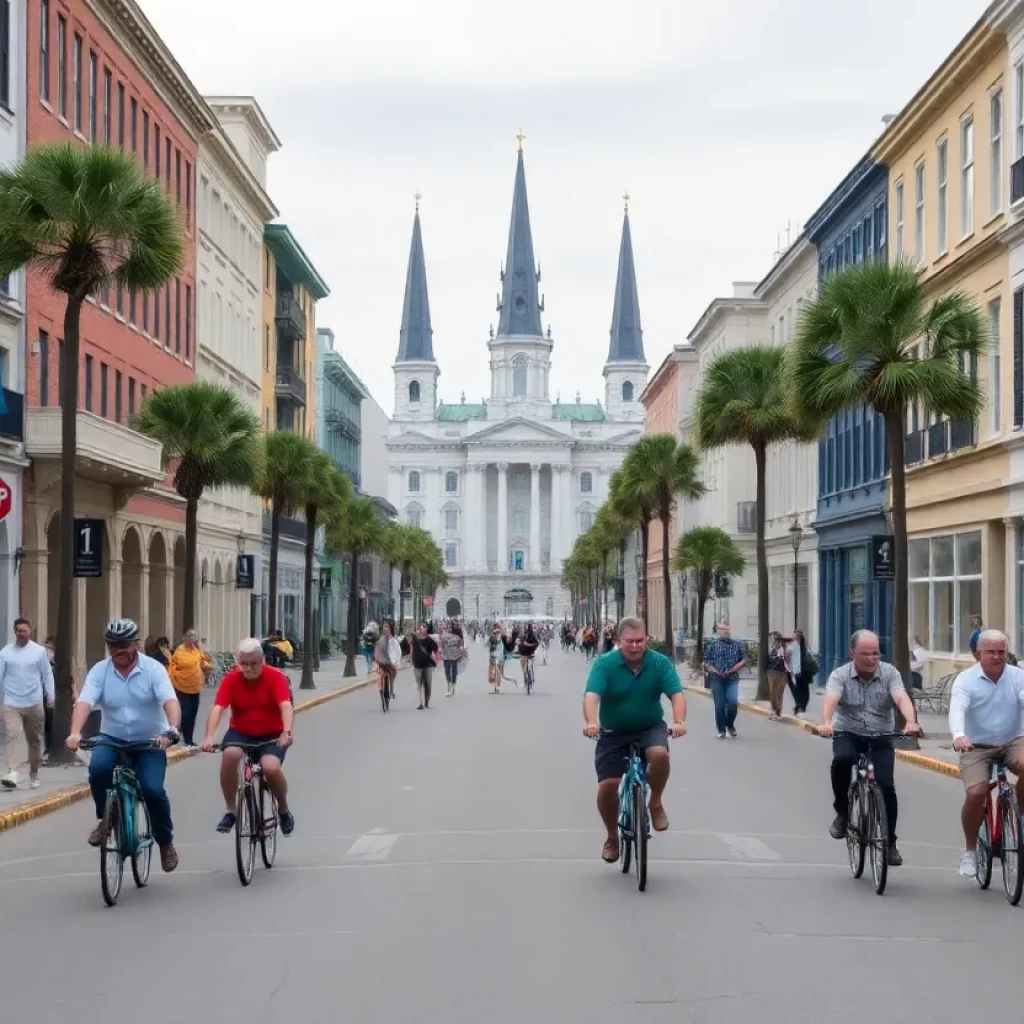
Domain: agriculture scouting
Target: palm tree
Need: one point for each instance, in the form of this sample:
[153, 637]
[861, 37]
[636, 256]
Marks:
[873, 338]
[83, 217]
[416, 551]
[357, 531]
[625, 526]
[634, 502]
[327, 491]
[213, 438]
[705, 551]
[283, 480]
[742, 401]
[609, 531]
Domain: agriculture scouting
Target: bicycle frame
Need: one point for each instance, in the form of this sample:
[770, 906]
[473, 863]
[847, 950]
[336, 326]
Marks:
[998, 788]
[636, 773]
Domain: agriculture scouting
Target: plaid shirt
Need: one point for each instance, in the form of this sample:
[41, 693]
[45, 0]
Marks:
[724, 652]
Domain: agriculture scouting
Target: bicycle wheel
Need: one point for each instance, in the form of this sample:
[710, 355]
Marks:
[1013, 855]
[984, 874]
[245, 832]
[641, 830]
[854, 832]
[268, 825]
[528, 678]
[385, 698]
[142, 855]
[878, 837]
[625, 832]
[111, 852]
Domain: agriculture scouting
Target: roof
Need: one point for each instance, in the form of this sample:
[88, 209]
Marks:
[460, 413]
[864, 175]
[627, 337]
[579, 412]
[415, 338]
[292, 261]
[343, 375]
[520, 305]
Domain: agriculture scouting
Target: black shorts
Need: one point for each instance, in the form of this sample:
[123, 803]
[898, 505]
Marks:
[233, 738]
[612, 754]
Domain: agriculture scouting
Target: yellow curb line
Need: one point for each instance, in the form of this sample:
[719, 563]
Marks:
[932, 764]
[73, 794]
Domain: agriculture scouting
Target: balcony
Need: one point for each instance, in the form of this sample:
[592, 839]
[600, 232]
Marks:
[291, 528]
[938, 439]
[290, 386]
[1017, 181]
[913, 448]
[746, 517]
[107, 452]
[12, 422]
[961, 434]
[291, 321]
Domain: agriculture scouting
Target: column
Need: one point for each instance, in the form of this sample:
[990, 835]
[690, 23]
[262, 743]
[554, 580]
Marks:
[144, 629]
[168, 627]
[557, 517]
[36, 568]
[432, 501]
[1013, 626]
[502, 516]
[534, 517]
[481, 470]
[475, 526]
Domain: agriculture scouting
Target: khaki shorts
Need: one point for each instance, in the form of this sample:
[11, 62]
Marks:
[976, 764]
[24, 728]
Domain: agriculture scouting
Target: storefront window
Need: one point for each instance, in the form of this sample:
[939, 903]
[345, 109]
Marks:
[858, 575]
[945, 590]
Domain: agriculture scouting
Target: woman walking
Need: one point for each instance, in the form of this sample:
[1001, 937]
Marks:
[776, 674]
[188, 669]
[452, 649]
[801, 671]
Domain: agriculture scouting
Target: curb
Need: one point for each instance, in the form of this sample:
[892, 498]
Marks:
[73, 794]
[931, 764]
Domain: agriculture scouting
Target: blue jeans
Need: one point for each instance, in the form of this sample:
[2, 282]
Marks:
[368, 655]
[726, 693]
[150, 769]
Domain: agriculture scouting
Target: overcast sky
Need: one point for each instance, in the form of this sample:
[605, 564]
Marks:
[726, 121]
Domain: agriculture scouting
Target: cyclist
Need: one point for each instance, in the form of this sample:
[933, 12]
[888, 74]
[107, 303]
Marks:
[622, 706]
[495, 657]
[135, 695]
[859, 698]
[261, 711]
[984, 720]
[528, 644]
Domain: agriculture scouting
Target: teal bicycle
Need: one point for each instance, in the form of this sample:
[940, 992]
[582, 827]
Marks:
[127, 833]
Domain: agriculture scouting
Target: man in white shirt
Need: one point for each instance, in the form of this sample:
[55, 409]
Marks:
[27, 681]
[984, 718]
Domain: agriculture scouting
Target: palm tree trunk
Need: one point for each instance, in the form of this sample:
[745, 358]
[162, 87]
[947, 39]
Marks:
[620, 583]
[703, 586]
[670, 647]
[188, 601]
[760, 460]
[353, 617]
[403, 577]
[62, 659]
[307, 603]
[644, 544]
[275, 542]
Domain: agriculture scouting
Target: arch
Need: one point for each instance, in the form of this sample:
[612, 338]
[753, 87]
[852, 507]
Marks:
[519, 376]
[131, 575]
[174, 615]
[157, 597]
[451, 482]
[414, 514]
[586, 482]
[627, 391]
[414, 391]
[413, 485]
[453, 609]
[518, 601]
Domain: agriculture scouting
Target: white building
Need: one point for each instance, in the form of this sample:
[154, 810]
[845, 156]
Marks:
[233, 207]
[12, 332]
[506, 486]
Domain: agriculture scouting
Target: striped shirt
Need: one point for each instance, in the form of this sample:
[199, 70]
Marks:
[865, 708]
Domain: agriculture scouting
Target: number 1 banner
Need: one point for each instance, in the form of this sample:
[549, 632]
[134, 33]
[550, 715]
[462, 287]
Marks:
[89, 548]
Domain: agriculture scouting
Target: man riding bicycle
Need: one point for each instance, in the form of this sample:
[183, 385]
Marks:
[984, 720]
[622, 706]
[261, 713]
[528, 644]
[137, 699]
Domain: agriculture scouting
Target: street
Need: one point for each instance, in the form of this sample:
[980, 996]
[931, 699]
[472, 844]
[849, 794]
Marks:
[445, 867]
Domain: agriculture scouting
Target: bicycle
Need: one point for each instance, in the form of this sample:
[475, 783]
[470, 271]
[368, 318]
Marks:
[999, 836]
[126, 830]
[528, 675]
[384, 686]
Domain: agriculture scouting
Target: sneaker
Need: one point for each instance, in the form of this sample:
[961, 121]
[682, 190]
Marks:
[168, 857]
[10, 781]
[227, 823]
[33, 782]
[721, 735]
[96, 835]
[838, 828]
[894, 857]
[287, 822]
[969, 864]
[732, 732]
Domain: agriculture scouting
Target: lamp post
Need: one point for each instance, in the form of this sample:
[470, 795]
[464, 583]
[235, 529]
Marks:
[796, 536]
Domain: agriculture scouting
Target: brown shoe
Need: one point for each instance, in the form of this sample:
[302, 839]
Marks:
[610, 850]
[96, 835]
[659, 819]
[168, 857]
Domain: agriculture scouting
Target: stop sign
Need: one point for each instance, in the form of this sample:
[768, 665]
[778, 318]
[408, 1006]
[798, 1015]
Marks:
[5, 499]
[428, 601]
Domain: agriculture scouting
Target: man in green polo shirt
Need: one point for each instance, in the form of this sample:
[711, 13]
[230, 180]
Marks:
[622, 706]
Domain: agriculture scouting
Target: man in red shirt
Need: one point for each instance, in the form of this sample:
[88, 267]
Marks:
[261, 712]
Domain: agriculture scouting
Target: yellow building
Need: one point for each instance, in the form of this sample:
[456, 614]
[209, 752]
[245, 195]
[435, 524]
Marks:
[948, 200]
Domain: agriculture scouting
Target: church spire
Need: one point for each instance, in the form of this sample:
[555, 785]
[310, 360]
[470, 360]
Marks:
[520, 305]
[416, 336]
[627, 338]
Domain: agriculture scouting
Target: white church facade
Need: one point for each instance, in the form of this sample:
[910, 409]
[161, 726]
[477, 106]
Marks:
[506, 486]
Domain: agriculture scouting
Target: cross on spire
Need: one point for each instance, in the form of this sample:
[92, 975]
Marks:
[520, 138]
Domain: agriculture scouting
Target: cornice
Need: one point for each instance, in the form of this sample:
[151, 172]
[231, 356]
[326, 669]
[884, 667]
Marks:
[255, 119]
[801, 247]
[863, 174]
[227, 159]
[721, 307]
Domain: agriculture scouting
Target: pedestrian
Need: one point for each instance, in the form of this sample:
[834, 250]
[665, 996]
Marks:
[27, 681]
[723, 659]
[189, 667]
[608, 638]
[452, 650]
[918, 660]
[370, 637]
[424, 652]
[387, 654]
[776, 675]
[802, 668]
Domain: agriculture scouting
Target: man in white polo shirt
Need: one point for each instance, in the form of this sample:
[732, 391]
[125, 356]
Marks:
[27, 681]
[984, 719]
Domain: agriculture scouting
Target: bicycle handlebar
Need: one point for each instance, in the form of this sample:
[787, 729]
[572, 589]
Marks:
[866, 736]
[102, 741]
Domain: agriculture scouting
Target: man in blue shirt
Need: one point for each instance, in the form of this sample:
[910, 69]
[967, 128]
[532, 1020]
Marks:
[138, 703]
[723, 659]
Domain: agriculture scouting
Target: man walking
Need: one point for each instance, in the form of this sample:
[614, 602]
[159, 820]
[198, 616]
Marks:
[27, 681]
[424, 658]
[723, 659]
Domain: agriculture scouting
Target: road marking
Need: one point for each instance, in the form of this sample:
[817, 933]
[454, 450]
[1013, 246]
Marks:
[373, 846]
[933, 939]
[748, 847]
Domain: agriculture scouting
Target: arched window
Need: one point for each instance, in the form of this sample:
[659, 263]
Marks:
[414, 515]
[586, 483]
[451, 483]
[586, 517]
[627, 391]
[414, 481]
[519, 377]
[451, 520]
[414, 391]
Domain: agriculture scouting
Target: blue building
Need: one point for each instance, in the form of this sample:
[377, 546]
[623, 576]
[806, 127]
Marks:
[853, 464]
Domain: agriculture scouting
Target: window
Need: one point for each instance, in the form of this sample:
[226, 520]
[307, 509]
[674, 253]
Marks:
[108, 83]
[586, 518]
[1018, 114]
[44, 49]
[145, 141]
[60, 371]
[167, 316]
[899, 218]
[451, 555]
[120, 114]
[867, 235]
[177, 174]
[995, 375]
[451, 482]
[942, 173]
[995, 106]
[120, 300]
[919, 213]
[117, 395]
[76, 84]
[451, 521]
[156, 151]
[131, 304]
[93, 89]
[156, 315]
[945, 590]
[88, 383]
[414, 391]
[519, 377]
[167, 161]
[134, 124]
[177, 315]
[188, 194]
[142, 394]
[856, 244]
[414, 482]
[414, 517]
[104, 370]
[586, 483]
[266, 347]
[266, 272]
[966, 177]
[627, 391]
[145, 312]
[131, 396]
[188, 322]
[62, 66]
[44, 368]
[517, 560]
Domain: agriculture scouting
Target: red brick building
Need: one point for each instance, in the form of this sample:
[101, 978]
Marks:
[98, 73]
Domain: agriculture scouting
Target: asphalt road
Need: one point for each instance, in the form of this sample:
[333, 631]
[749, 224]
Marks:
[446, 868]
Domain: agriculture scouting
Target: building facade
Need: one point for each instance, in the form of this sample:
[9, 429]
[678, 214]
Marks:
[506, 486]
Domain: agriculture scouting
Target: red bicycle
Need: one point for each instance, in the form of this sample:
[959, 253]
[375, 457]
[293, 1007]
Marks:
[999, 836]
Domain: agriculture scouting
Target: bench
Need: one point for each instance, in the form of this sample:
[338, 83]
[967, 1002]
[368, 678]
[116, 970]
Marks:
[936, 698]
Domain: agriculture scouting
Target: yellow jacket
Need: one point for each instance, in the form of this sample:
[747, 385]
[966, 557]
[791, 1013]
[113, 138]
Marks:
[187, 669]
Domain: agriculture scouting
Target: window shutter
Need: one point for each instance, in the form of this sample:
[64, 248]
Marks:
[1018, 357]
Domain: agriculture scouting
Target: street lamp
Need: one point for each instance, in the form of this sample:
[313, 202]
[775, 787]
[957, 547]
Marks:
[796, 536]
